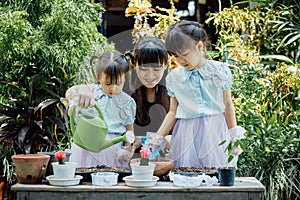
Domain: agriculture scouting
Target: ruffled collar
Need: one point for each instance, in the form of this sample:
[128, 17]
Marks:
[119, 99]
[210, 70]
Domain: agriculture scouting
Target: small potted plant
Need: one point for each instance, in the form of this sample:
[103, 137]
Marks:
[143, 170]
[145, 155]
[234, 148]
[62, 169]
[49, 170]
[157, 144]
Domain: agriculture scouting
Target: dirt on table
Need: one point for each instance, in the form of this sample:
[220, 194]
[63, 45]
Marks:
[86, 172]
[196, 170]
[122, 171]
[102, 168]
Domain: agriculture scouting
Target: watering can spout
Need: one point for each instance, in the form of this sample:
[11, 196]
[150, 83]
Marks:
[90, 132]
[128, 136]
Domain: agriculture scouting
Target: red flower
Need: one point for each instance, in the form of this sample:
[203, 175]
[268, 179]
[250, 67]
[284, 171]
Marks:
[145, 153]
[60, 155]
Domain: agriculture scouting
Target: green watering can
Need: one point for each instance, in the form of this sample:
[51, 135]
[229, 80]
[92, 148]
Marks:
[90, 132]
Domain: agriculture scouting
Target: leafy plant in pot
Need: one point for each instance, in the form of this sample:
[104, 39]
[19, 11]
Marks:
[32, 118]
[235, 147]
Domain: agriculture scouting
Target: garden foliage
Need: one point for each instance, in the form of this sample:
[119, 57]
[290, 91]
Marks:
[262, 47]
[43, 44]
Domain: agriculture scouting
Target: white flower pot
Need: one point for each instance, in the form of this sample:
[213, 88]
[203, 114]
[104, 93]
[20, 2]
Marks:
[142, 172]
[64, 171]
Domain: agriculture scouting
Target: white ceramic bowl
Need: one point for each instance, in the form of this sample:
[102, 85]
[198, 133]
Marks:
[105, 178]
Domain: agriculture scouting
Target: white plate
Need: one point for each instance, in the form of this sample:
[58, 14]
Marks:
[64, 182]
[140, 183]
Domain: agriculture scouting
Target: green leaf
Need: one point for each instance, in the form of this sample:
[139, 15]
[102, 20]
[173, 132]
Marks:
[230, 158]
[296, 37]
[221, 143]
[278, 57]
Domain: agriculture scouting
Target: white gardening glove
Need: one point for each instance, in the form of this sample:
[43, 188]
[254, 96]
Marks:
[156, 141]
[237, 133]
[125, 153]
[85, 97]
[82, 98]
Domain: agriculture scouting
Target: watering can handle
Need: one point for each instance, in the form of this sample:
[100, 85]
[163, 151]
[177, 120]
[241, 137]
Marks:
[99, 111]
[72, 116]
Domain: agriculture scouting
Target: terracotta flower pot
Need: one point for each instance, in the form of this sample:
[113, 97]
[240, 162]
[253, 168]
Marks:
[30, 168]
[3, 185]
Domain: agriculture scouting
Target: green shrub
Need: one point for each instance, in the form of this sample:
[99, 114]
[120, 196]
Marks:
[265, 91]
[43, 46]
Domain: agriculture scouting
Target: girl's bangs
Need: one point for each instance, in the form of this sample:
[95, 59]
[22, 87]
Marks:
[177, 42]
[114, 73]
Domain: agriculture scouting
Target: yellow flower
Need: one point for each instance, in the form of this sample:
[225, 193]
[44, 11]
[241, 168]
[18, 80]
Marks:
[138, 8]
[267, 149]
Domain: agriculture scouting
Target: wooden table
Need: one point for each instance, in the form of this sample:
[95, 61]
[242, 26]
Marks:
[244, 188]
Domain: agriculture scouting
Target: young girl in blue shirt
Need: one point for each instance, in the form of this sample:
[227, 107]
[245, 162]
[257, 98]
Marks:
[118, 108]
[201, 109]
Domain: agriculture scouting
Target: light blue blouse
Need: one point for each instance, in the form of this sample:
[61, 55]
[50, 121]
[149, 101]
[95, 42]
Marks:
[118, 111]
[199, 92]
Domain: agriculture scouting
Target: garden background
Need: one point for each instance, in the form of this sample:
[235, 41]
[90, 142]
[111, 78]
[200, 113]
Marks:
[44, 45]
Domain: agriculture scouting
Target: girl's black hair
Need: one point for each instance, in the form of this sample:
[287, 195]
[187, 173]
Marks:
[148, 52]
[113, 64]
[181, 34]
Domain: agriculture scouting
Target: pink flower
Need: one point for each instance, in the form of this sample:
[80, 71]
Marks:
[60, 156]
[145, 153]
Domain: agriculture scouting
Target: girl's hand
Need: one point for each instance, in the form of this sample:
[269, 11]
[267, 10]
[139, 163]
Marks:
[168, 138]
[125, 153]
[80, 95]
[85, 97]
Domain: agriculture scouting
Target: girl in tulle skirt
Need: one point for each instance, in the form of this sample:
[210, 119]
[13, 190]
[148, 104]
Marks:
[201, 109]
[118, 109]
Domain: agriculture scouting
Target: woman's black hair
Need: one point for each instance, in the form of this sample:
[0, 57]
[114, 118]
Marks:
[181, 34]
[148, 52]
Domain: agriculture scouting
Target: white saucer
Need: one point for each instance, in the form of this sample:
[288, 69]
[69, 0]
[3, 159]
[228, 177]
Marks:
[64, 182]
[140, 183]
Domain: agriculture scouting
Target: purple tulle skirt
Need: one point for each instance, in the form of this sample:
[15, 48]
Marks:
[106, 157]
[195, 142]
